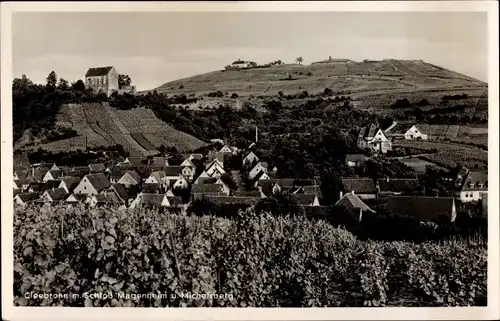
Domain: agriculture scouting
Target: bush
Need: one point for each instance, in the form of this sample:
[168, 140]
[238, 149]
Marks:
[234, 95]
[255, 260]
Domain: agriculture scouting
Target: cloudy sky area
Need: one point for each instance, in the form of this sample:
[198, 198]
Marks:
[154, 48]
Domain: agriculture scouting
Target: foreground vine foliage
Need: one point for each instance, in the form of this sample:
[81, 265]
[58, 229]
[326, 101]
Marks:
[260, 260]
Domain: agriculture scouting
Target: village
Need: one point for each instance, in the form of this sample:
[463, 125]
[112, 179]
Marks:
[156, 181]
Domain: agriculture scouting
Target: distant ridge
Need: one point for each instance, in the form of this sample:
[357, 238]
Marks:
[340, 75]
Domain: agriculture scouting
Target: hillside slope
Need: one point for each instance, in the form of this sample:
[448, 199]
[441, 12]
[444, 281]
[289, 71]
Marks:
[137, 130]
[343, 77]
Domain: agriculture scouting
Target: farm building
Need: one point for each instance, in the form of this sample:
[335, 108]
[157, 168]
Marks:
[474, 187]
[415, 133]
[423, 208]
[373, 138]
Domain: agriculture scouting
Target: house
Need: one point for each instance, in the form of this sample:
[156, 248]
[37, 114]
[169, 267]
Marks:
[172, 174]
[97, 168]
[354, 205]
[215, 169]
[250, 159]
[102, 80]
[120, 192]
[240, 64]
[355, 160]
[373, 138]
[233, 199]
[52, 175]
[363, 187]
[54, 195]
[225, 188]
[209, 189]
[69, 183]
[34, 187]
[129, 179]
[395, 131]
[80, 171]
[274, 186]
[24, 198]
[135, 161]
[308, 190]
[474, 186]
[159, 161]
[157, 200]
[92, 184]
[229, 149]
[152, 188]
[106, 198]
[21, 161]
[415, 133]
[260, 167]
[191, 157]
[22, 179]
[204, 177]
[50, 185]
[396, 186]
[306, 199]
[77, 198]
[188, 163]
[188, 172]
[262, 176]
[423, 208]
[257, 193]
[158, 177]
[180, 183]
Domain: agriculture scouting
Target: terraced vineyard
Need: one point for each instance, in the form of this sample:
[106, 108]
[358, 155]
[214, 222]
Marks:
[99, 125]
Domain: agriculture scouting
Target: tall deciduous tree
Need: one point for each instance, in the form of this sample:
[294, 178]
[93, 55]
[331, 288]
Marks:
[299, 60]
[52, 80]
[63, 84]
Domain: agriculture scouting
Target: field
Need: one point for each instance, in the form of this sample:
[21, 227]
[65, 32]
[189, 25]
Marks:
[458, 134]
[137, 130]
[418, 164]
[253, 260]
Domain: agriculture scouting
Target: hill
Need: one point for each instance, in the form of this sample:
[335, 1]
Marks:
[138, 130]
[370, 84]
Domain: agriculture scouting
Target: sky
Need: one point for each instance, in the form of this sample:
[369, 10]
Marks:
[156, 47]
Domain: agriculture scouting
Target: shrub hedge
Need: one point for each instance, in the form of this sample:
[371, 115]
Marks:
[259, 260]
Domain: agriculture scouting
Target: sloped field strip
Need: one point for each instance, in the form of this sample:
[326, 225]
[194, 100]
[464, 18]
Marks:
[135, 130]
[160, 133]
[93, 117]
[120, 132]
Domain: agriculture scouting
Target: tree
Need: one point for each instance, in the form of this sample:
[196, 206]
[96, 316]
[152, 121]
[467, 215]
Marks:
[299, 60]
[52, 80]
[79, 85]
[21, 84]
[124, 80]
[63, 84]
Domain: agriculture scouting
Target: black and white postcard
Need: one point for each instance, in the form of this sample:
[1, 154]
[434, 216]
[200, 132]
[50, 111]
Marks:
[222, 159]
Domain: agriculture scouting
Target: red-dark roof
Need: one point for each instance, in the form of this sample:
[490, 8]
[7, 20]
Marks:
[421, 207]
[358, 185]
[100, 71]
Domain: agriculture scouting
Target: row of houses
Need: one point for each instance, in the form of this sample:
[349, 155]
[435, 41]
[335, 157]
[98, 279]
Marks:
[135, 180]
